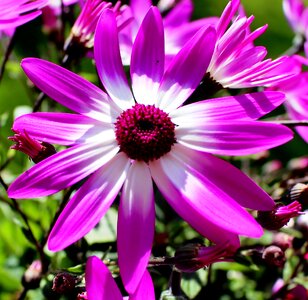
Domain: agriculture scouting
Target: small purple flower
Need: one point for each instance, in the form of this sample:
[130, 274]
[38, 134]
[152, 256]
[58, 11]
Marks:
[36, 150]
[18, 12]
[130, 137]
[297, 16]
[236, 62]
[101, 286]
[192, 257]
[279, 216]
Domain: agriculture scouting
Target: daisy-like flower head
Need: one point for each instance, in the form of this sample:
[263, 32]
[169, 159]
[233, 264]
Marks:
[127, 138]
[236, 62]
[297, 16]
[178, 26]
[16, 13]
[101, 286]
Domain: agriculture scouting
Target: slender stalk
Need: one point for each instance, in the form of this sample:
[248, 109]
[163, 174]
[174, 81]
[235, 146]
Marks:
[291, 123]
[7, 54]
[17, 208]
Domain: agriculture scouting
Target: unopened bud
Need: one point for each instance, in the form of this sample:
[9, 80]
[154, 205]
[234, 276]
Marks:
[279, 216]
[32, 277]
[299, 192]
[36, 150]
[192, 257]
[64, 283]
[282, 240]
[274, 256]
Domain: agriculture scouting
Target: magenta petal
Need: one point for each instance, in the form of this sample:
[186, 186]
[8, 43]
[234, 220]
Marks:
[232, 137]
[145, 289]
[243, 107]
[186, 69]
[227, 16]
[147, 62]
[189, 192]
[231, 180]
[62, 170]
[89, 204]
[108, 60]
[180, 14]
[19, 20]
[60, 128]
[135, 225]
[140, 8]
[99, 283]
[69, 89]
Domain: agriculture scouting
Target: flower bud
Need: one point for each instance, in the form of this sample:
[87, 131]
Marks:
[36, 150]
[64, 283]
[32, 277]
[274, 256]
[192, 257]
[299, 192]
[279, 216]
[282, 240]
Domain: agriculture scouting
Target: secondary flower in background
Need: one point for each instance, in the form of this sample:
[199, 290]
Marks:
[297, 16]
[236, 62]
[52, 12]
[101, 286]
[178, 27]
[192, 257]
[127, 139]
[84, 27]
[296, 92]
[16, 13]
[279, 216]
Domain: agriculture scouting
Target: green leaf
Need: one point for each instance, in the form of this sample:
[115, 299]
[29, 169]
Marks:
[192, 283]
[78, 269]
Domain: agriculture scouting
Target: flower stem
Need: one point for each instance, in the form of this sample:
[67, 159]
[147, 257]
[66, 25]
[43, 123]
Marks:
[7, 54]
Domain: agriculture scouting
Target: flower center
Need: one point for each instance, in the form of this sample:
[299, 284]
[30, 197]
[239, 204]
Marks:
[144, 132]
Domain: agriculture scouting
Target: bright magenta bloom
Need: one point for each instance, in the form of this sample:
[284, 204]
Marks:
[130, 137]
[101, 286]
[236, 62]
[17, 12]
[297, 16]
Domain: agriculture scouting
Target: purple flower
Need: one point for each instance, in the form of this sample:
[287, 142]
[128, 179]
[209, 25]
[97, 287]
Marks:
[101, 286]
[297, 16]
[177, 27]
[129, 137]
[236, 62]
[36, 150]
[84, 27]
[16, 13]
[296, 92]
[192, 257]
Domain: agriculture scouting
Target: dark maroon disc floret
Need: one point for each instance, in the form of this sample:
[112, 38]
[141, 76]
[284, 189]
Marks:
[145, 132]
